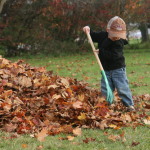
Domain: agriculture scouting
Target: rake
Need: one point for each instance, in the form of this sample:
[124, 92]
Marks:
[109, 97]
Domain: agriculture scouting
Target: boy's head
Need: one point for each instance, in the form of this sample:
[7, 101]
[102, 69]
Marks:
[116, 28]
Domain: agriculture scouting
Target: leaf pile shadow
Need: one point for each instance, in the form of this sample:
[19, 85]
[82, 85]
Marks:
[35, 101]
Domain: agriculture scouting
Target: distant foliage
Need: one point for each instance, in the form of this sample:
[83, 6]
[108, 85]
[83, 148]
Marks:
[35, 23]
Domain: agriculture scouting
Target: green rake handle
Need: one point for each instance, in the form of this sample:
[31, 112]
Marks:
[109, 91]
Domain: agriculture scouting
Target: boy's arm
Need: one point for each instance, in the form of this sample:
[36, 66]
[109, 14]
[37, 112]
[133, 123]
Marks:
[96, 36]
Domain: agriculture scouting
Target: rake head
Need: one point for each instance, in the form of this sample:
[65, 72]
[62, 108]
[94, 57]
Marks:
[110, 96]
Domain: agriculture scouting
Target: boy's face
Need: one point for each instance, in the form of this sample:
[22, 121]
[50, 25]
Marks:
[114, 38]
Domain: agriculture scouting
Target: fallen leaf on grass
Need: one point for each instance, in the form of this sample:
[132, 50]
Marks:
[146, 121]
[117, 137]
[103, 124]
[24, 145]
[122, 135]
[148, 118]
[105, 133]
[135, 143]
[41, 135]
[87, 140]
[76, 143]
[10, 127]
[147, 106]
[77, 131]
[63, 138]
[39, 147]
[114, 137]
[12, 136]
[32, 135]
[70, 138]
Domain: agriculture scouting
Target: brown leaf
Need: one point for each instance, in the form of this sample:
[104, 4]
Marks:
[67, 129]
[128, 117]
[77, 131]
[75, 143]
[6, 94]
[81, 97]
[39, 147]
[147, 106]
[69, 91]
[24, 145]
[114, 137]
[146, 97]
[70, 138]
[146, 121]
[40, 69]
[10, 127]
[135, 143]
[6, 106]
[87, 140]
[75, 87]
[3, 62]
[122, 135]
[24, 81]
[77, 105]
[63, 138]
[82, 116]
[105, 133]
[63, 82]
[103, 124]
[148, 118]
[55, 96]
[41, 135]
[14, 135]
[54, 86]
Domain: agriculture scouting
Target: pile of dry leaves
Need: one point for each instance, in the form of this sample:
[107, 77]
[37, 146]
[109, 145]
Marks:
[35, 101]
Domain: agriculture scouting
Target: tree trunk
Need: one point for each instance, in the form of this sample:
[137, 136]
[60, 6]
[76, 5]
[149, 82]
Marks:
[144, 31]
[2, 4]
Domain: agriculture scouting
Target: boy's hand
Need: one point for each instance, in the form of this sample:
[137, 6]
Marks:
[97, 51]
[86, 29]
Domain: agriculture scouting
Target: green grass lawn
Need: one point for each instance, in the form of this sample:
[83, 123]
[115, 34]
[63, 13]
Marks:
[84, 67]
[136, 139]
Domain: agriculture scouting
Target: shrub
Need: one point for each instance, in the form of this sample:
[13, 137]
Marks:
[54, 48]
[138, 45]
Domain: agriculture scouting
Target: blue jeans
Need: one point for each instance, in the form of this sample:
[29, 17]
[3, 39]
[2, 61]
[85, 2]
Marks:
[117, 79]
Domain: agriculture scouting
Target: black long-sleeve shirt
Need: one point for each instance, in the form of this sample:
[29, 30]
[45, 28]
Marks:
[110, 52]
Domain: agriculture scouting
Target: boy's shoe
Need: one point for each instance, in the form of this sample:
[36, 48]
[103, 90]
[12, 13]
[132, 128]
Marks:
[130, 108]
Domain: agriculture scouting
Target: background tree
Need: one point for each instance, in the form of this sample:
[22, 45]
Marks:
[40, 22]
[138, 13]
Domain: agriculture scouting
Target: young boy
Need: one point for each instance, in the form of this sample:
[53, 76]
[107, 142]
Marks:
[110, 45]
